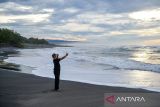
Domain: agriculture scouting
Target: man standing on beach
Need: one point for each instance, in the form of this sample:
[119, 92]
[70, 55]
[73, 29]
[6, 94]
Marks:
[57, 67]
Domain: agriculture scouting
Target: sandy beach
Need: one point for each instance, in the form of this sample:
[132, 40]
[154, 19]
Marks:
[26, 90]
[104, 53]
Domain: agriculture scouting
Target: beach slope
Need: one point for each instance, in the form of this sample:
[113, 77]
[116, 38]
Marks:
[26, 90]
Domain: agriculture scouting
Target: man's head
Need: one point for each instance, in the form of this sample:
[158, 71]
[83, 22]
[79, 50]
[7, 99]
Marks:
[53, 55]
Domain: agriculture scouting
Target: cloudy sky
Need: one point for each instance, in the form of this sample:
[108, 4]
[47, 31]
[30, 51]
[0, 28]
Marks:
[102, 21]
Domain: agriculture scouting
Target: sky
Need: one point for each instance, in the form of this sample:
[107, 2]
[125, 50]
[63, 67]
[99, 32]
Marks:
[118, 22]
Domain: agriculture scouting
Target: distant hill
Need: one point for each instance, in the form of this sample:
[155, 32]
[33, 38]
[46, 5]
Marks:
[59, 41]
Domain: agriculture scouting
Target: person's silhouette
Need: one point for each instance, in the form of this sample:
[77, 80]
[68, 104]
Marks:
[56, 61]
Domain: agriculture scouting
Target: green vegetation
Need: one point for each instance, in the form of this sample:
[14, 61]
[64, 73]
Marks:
[11, 38]
[37, 41]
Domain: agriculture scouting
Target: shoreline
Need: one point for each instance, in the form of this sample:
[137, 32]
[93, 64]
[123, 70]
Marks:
[6, 51]
[28, 90]
[28, 70]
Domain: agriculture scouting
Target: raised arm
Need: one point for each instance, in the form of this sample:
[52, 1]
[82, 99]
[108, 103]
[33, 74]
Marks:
[64, 56]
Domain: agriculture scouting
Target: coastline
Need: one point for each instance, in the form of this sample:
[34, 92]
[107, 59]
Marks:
[27, 90]
[20, 89]
[29, 69]
[6, 51]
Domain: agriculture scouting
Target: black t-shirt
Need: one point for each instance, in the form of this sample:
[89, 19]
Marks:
[56, 64]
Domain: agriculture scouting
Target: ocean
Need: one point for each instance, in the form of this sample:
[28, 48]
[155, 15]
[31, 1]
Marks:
[124, 66]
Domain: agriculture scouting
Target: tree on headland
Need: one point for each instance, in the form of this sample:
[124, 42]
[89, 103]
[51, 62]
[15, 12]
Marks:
[12, 38]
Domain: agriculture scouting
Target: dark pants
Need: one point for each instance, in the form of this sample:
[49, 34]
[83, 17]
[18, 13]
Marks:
[56, 87]
[57, 78]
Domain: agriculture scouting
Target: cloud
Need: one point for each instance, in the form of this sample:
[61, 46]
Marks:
[2, 10]
[146, 15]
[11, 6]
[48, 10]
[151, 42]
[140, 32]
[34, 18]
[71, 10]
[31, 16]
[78, 27]
[77, 19]
[100, 18]
[67, 36]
